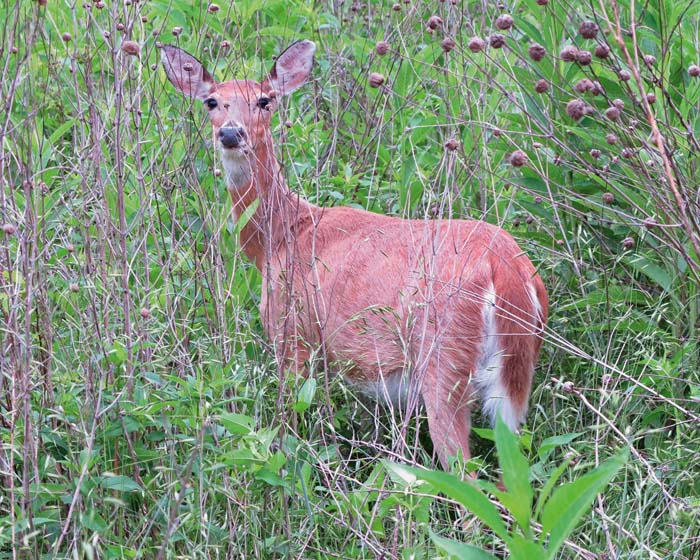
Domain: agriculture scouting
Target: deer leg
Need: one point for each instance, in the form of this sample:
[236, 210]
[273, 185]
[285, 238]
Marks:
[448, 406]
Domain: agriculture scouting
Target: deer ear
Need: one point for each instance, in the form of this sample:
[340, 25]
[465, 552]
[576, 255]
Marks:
[292, 68]
[186, 73]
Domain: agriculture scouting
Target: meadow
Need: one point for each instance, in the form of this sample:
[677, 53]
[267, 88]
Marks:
[142, 412]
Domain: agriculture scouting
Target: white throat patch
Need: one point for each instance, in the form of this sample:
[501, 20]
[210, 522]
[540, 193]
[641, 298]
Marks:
[238, 168]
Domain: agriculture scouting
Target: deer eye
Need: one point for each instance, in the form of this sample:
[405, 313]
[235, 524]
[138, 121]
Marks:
[211, 103]
[263, 102]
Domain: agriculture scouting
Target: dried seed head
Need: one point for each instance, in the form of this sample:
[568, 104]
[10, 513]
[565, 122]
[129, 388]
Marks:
[99, 5]
[542, 2]
[66, 37]
[583, 86]
[74, 287]
[476, 44]
[694, 70]
[9, 229]
[627, 153]
[569, 53]
[613, 113]
[588, 29]
[381, 48]
[538, 199]
[376, 79]
[187, 67]
[628, 242]
[516, 222]
[602, 51]
[177, 31]
[217, 172]
[434, 22]
[225, 44]
[584, 58]
[447, 44]
[288, 124]
[649, 59]
[120, 26]
[145, 313]
[624, 75]
[396, 7]
[537, 52]
[213, 8]
[131, 48]
[608, 198]
[541, 86]
[568, 386]
[14, 50]
[595, 153]
[618, 103]
[651, 98]
[451, 144]
[497, 40]
[650, 223]
[504, 22]
[70, 248]
[576, 109]
[518, 158]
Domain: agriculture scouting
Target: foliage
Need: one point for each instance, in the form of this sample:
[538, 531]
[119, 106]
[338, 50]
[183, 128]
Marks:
[141, 413]
[555, 515]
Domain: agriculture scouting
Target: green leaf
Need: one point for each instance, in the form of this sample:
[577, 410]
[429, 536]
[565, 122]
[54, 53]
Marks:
[462, 491]
[459, 550]
[306, 395]
[93, 521]
[237, 423]
[556, 441]
[570, 501]
[547, 488]
[120, 483]
[521, 548]
[516, 476]
[644, 265]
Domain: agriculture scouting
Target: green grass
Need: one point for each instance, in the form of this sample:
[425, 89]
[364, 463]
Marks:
[141, 412]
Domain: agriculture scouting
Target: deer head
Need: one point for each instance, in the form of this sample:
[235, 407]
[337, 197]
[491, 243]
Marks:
[240, 110]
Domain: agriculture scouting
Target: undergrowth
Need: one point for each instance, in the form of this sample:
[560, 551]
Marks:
[142, 415]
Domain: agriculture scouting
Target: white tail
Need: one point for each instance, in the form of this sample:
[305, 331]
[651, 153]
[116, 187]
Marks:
[451, 309]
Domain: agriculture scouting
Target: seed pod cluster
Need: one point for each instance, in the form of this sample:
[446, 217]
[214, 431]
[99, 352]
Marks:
[376, 79]
[476, 44]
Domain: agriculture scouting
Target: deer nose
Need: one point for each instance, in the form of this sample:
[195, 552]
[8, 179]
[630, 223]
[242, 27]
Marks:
[232, 136]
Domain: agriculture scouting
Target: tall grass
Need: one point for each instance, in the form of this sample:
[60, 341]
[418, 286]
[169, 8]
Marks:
[141, 412]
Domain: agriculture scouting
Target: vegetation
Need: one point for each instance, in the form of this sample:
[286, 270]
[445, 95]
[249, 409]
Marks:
[141, 413]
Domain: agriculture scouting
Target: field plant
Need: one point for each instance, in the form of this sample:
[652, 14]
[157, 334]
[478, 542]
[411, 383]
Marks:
[142, 414]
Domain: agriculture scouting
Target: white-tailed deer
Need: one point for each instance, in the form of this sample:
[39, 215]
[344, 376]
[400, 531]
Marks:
[445, 310]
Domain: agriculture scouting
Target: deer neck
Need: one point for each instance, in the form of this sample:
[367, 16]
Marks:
[261, 196]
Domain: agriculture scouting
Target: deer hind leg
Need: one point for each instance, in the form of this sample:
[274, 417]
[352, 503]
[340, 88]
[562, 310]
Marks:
[448, 400]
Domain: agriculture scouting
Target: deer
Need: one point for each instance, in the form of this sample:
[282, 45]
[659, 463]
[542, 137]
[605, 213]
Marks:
[444, 312]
